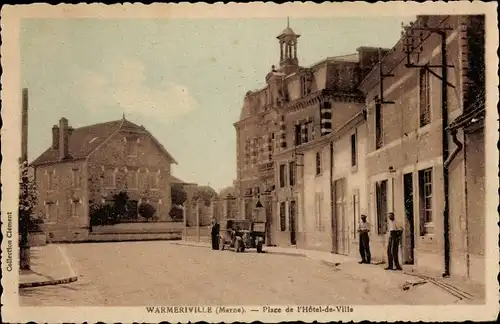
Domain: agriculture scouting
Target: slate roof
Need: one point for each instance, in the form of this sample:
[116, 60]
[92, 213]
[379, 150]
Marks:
[84, 140]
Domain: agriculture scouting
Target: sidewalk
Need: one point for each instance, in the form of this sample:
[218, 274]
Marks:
[49, 266]
[376, 274]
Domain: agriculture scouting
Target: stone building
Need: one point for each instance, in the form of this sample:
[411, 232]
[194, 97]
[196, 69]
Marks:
[297, 106]
[86, 166]
[414, 165]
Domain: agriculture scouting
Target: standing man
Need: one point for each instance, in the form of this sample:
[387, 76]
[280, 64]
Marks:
[215, 234]
[364, 240]
[395, 231]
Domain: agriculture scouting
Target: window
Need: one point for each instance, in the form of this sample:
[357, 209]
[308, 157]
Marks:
[131, 147]
[310, 131]
[154, 179]
[109, 178]
[381, 203]
[282, 216]
[355, 212]
[282, 175]
[379, 141]
[132, 179]
[292, 173]
[318, 212]
[425, 193]
[50, 211]
[298, 135]
[354, 153]
[142, 178]
[318, 163]
[425, 98]
[75, 178]
[75, 208]
[304, 86]
[50, 179]
[247, 153]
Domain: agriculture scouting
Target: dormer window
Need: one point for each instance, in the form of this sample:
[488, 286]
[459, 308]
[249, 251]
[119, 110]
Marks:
[304, 86]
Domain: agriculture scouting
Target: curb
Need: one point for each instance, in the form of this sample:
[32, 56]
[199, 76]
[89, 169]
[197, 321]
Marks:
[48, 282]
[302, 255]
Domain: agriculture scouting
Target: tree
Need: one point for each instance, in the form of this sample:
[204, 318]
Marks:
[228, 191]
[27, 193]
[147, 211]
[206, 194]
[120, 200]
[178, 194]
[27, 203]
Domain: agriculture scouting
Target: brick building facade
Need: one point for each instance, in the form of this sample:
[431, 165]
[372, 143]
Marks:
[86, 166]
[414, 166]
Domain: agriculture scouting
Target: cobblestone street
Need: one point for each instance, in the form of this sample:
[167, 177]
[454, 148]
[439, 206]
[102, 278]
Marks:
[162, 273]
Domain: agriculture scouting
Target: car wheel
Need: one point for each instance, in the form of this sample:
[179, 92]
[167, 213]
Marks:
[259, 247]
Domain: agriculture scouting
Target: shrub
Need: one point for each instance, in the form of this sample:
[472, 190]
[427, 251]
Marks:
[176, 213]
[147, 211]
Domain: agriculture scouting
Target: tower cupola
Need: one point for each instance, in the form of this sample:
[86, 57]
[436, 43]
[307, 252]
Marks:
[289, 62]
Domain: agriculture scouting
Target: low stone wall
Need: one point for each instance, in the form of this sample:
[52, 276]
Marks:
[120, 237]
[139, 228]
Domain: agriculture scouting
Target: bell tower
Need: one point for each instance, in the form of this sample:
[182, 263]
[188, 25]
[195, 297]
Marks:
[289, 62]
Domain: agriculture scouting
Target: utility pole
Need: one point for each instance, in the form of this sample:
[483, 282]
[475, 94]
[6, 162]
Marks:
[410, 47]
[24, 245]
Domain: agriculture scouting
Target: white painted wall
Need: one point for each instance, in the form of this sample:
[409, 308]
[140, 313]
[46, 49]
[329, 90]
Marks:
[355, 176]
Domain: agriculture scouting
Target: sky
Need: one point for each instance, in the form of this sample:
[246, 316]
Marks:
[183, 79]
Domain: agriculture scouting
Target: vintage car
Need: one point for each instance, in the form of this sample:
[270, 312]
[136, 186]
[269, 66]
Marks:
[242, 234]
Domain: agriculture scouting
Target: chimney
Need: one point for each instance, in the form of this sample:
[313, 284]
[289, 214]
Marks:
[63, 138]
[55, 137]
[24, 126]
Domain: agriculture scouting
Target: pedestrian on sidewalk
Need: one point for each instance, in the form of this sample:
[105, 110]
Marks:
[395, 231]
[364, 240]
[215, 234]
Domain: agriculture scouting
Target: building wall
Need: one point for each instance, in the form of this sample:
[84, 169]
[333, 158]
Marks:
[355, 177]
[476, 213]
[148, 160]
[315, 220]
[62, 222]
[409, 148]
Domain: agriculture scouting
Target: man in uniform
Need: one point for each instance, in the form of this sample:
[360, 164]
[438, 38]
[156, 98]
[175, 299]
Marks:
[364, 240]
[395, 230]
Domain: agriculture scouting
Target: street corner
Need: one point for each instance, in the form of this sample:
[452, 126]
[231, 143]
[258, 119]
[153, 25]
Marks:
[50, 265]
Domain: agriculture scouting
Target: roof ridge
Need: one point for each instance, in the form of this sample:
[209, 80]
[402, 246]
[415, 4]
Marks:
[97, 124]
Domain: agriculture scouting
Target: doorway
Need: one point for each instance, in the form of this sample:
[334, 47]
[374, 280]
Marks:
[293, 212]
[409, 256]
[342, 237]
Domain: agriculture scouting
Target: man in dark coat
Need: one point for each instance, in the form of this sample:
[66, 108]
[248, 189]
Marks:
[215, 234]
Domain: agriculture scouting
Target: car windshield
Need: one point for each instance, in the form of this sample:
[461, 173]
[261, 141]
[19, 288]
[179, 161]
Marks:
[241, 226]
[259, 227]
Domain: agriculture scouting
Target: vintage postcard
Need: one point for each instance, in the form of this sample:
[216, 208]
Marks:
[249, 162]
